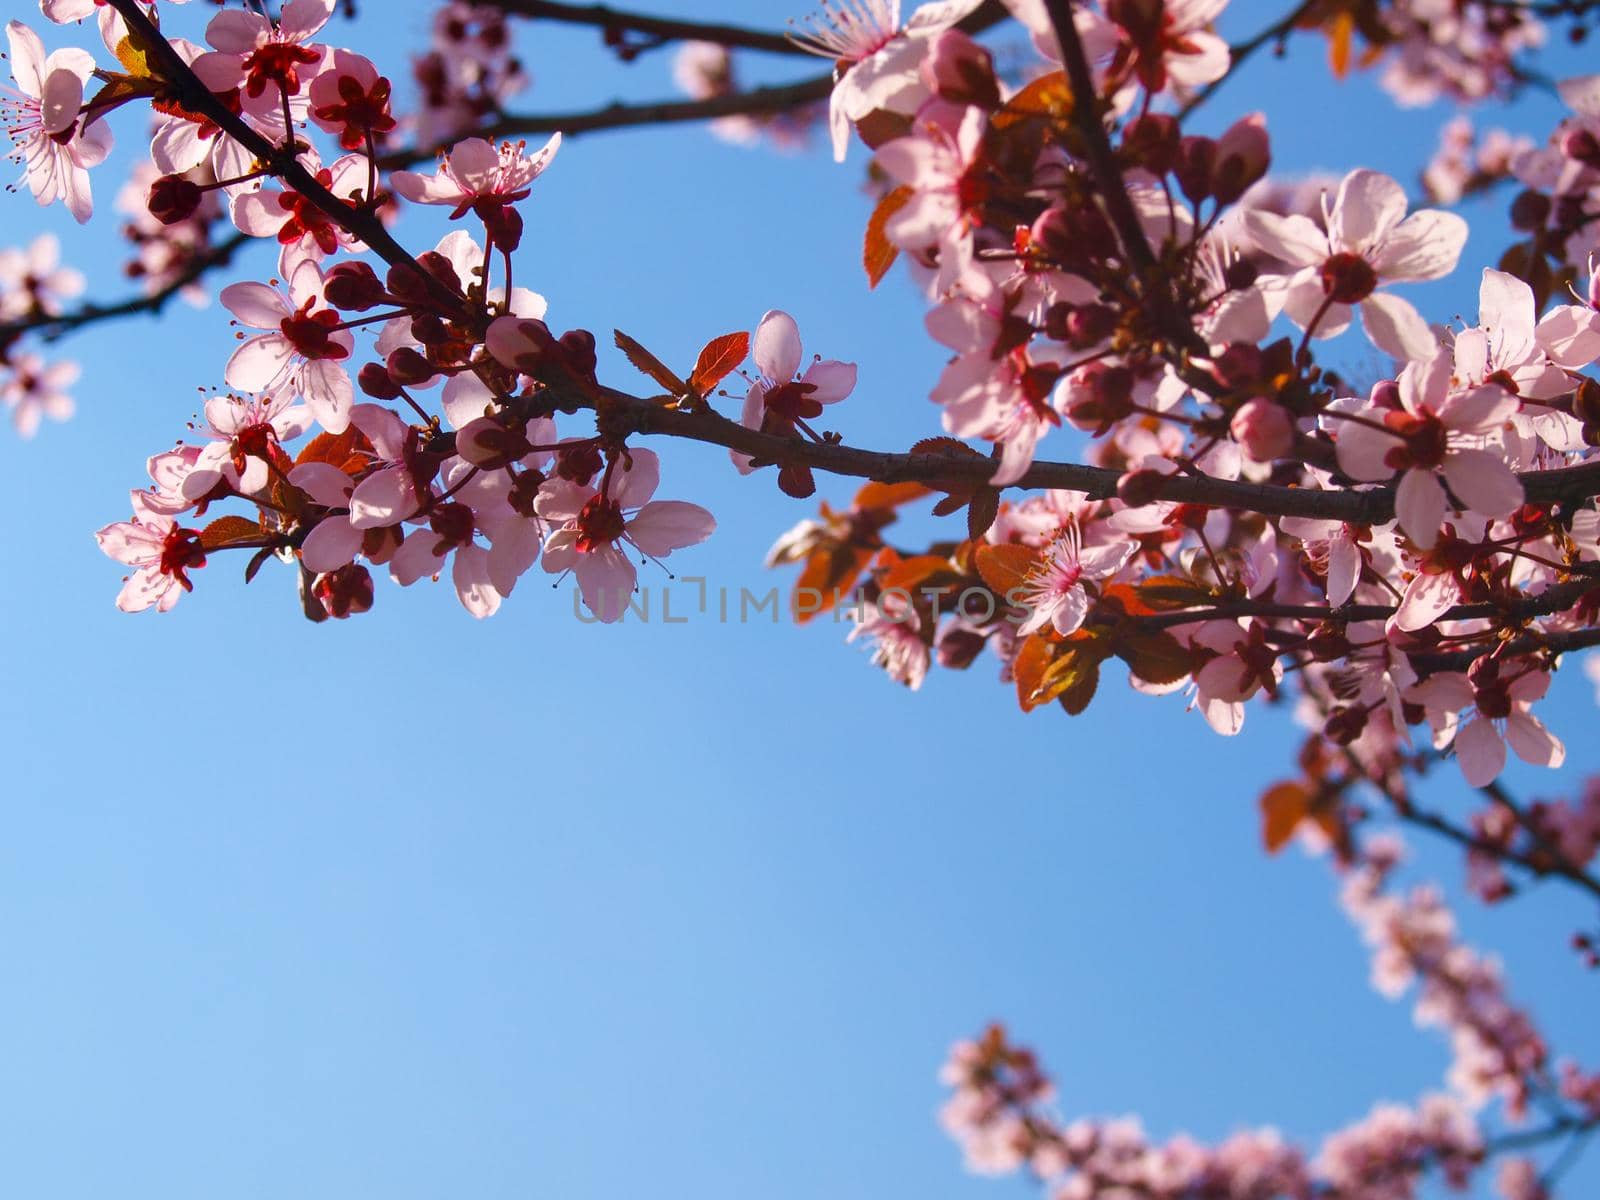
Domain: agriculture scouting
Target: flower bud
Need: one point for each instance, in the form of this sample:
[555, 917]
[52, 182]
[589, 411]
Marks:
[344, 592]
[1263, 430]
[1345, 725]
[957, 69]
[1152, 142]
[1529, 211]
[1139, 488]
[354, 287]
[408, 368]
[957, 646]
[375, 381]
[1197, 158]
[173, 198]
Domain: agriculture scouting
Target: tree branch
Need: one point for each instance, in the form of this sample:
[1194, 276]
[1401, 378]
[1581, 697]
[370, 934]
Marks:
[757, 101]
[603, 16]
[50, 328]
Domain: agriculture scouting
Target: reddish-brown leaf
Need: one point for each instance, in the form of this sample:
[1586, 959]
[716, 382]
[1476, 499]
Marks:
[1005, 567]
[1168, 593]
[1283, 806]
[720, 356]
[826, 577]
[229, 531]
[1073, 677]
[649, 364]
[948, 446]
[985, 507]
[341, 450]
[1156, 657]
[1033, 659]
[889, 495]
[878, 255]
[909, 574]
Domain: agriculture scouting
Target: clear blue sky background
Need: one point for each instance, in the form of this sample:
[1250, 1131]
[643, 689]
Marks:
[412, 906]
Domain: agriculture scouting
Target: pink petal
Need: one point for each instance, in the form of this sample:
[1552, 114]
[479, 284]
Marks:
[1480, 752]
[1427, 596]
[632, 486]
[833, 380]
[1368, 205]
[332, 544]
[606, 579]
[60, 101]
[258, 363]
[1483, 482]
[1532, 742]
[777, 347]
[1419, 505]
[1426, 245]
[663, 526]
[1396, 328]
[1294, 239]
[474, 587]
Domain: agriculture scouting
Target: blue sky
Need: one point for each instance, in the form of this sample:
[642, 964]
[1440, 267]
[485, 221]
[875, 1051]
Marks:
[413, 905]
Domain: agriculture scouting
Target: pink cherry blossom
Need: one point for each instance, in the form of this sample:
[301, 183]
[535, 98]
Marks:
[1053, 592]
[877, 59]
[303, 349]
[33, 280]
[1435, 427]
[35, 390]
[781, 397]
[475, 171]
[1365, 244]
[893, 628]
[163, 554]
[266, 60]
[40, 116]
[592, 525]
[1479, 722]
[244, 433]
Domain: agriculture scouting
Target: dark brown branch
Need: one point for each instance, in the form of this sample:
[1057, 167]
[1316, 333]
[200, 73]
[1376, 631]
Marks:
[1557, 863]
[51, 327]
[756, 102]
[1097, 146]
[604, 17]
[1371, 507]
[1552, 600]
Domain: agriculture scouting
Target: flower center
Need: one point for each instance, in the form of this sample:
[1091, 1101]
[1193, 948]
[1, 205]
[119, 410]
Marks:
[1348, 279]
[600, 523]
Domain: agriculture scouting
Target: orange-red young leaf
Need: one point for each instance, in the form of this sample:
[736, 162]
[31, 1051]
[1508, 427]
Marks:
[1283, 806]
[1033, 659]
[888, 495]
[649, 364]
[1048, 96]
[340, 450]
[924, 570]
[1005, 567]
[1340, 31]
[720, 356]
[878, 255]
[826, 577]
[1072, 678]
